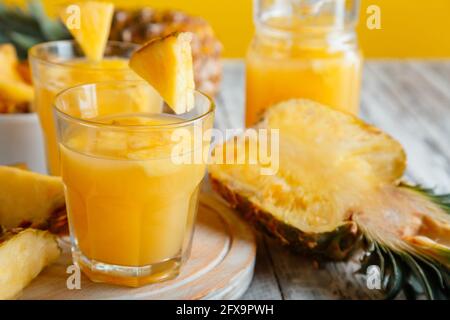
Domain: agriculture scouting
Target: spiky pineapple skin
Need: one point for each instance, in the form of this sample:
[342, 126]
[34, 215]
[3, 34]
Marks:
[336, 245]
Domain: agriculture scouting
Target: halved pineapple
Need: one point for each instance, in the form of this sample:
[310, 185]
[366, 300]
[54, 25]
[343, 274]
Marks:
[89, 23]
[338, 182]
[30, 199]
[166, 63]
[23, 255]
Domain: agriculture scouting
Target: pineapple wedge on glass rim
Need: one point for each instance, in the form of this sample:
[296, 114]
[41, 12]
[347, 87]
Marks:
[337, 190]
[166, 64]
[89, 22]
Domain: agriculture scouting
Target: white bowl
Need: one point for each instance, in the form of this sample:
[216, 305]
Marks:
[21, 141]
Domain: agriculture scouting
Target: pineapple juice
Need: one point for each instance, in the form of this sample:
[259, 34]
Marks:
[49, 81]
[129, 204]
[303, 49]
[330, 78]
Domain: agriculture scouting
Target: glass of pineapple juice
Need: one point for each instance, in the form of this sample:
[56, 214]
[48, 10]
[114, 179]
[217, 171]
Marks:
[61, 64]
[132, 173]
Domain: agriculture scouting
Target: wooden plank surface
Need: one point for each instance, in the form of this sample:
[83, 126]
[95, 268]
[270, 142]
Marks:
[408, 99]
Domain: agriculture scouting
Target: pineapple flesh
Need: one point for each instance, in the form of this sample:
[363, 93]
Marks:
[166, 64]
[8, 67]
[15, 93]
[23, 255]
[317, 164]
[90, 26]
[29, 199]
[337, 188]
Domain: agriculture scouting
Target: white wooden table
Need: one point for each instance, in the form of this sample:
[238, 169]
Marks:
[408, 99]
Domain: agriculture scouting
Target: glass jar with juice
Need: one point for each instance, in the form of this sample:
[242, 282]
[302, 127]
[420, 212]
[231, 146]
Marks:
[303, 49]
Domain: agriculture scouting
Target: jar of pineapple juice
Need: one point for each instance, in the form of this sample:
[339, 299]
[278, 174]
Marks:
[303, 49]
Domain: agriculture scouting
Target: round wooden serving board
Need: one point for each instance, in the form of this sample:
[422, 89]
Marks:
[220, 266]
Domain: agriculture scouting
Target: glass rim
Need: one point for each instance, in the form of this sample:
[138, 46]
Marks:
[96, 124]
[33, 55]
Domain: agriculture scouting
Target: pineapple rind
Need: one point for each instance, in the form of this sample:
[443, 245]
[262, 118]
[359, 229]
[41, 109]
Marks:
[23, 255]
[335, 245]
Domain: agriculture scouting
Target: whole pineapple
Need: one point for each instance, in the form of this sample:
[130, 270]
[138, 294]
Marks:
[145, 24]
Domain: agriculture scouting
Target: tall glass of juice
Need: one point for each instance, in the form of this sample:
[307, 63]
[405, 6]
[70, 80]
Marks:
[132, 172]
[61, 64]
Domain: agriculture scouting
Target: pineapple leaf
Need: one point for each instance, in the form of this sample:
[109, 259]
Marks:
[435, 269]
[442, 200]
[380, 258]
[27, 28]
[412, 274]
[418, 272]
[409, 291]
[15, 19]
[23, 40]
[51, 29]
[396, 280]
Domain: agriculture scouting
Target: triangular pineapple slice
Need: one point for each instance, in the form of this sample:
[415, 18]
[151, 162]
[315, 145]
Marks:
[166, 63]
[89, 22]
[29, 199]
[23, 255]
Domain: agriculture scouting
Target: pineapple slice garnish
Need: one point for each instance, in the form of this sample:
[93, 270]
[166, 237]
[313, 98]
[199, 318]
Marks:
[23, 255]
[29, 199]
[166, 63]
[90, 26]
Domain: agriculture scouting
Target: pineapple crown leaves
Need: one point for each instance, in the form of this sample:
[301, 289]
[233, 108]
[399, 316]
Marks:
[25, 28]
[412, 273]
[442, 200]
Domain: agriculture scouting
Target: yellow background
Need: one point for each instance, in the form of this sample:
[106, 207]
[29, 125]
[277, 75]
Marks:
[410, 28]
